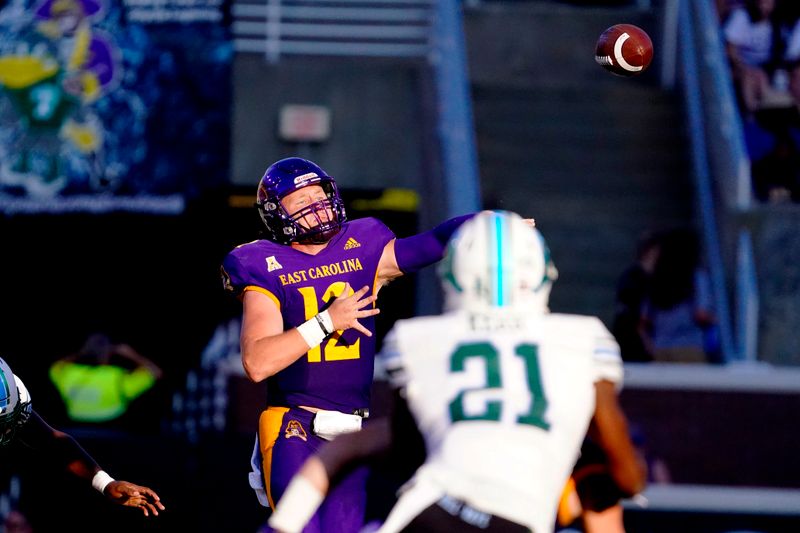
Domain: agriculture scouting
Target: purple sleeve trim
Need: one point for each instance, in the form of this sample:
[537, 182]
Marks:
[418, 251]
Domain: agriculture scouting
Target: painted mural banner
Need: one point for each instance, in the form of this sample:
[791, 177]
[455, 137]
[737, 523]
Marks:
[112, 105]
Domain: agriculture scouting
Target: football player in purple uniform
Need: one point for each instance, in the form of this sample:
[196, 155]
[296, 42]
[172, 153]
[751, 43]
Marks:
[20, 423]
[308, 292]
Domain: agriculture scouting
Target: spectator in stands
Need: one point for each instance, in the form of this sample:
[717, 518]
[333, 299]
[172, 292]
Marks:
[726, 7]
[792, 17]
[758, 38]
[678, 322]
[632, 289]
[776, 172]
[99, 383]
[754, 45]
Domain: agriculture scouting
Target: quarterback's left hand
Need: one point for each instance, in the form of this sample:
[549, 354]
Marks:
[131, 495]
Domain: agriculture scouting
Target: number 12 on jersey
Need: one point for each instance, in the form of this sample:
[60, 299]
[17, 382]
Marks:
[529, 353]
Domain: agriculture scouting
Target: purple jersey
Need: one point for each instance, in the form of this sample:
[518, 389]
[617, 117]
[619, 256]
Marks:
[337, 374]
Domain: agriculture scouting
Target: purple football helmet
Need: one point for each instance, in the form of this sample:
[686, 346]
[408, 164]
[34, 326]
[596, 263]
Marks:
[283, 178]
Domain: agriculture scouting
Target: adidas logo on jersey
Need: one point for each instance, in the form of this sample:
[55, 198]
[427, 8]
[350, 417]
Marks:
[351, 243]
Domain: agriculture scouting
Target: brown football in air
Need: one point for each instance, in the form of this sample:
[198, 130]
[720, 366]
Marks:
[624, 49]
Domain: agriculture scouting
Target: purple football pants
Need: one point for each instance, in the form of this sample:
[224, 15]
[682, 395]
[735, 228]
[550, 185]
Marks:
[286, 441]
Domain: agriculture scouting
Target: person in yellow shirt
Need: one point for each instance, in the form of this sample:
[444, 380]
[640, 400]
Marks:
[98, 383]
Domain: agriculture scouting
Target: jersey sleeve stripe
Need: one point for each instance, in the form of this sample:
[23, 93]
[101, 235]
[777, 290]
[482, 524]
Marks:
[374, 286]
[262, 290]
[607, 352]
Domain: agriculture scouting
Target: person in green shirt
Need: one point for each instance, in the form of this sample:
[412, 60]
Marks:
[98, 383]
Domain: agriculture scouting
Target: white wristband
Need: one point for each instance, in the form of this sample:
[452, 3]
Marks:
[101, 480]
[297, 505]
[315, 329]
[325, 321]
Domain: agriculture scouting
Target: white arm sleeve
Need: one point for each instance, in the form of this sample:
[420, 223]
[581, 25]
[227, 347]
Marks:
[296, 507]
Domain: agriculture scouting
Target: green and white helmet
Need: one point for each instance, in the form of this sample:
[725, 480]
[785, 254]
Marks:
[15, 403]
[497, 260]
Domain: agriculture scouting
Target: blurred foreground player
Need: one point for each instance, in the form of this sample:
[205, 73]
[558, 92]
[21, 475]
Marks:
[21, 425]
[502, 392]
[308, 291]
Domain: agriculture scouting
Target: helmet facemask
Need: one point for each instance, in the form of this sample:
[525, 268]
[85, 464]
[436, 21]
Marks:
[9, 422]
[15, 406]
[324, 214]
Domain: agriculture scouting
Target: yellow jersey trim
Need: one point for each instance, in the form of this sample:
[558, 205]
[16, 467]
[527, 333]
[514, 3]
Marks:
[262, 290]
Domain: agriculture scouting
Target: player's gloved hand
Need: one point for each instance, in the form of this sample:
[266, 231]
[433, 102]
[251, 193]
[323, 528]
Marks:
[131, 495]
[348, 308]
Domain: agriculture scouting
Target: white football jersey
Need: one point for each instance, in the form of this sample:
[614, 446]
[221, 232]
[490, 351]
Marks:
[503, 404]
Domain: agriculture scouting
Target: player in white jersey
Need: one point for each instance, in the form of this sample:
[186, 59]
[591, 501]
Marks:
[502, 391]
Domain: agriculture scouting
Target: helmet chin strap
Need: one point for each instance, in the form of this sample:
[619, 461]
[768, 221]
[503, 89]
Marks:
[318, 237]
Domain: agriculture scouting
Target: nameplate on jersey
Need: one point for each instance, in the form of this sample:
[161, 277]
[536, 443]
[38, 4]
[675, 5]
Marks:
[323, 271]
[493, 322]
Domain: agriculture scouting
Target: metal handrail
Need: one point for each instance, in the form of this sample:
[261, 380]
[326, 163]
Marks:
[747, 304]
[705, 197]
[456, 123]
[730, 163]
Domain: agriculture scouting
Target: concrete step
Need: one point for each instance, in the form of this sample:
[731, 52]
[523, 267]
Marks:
[581, 117]
[638, 131]
[568, 296]
[582, 165]
[602, 134]
[564, 207]
[617, 98]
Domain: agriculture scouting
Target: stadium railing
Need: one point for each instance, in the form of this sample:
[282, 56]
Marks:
[722, 175]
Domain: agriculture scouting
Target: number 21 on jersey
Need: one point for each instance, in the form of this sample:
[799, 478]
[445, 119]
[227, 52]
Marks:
[529, 353]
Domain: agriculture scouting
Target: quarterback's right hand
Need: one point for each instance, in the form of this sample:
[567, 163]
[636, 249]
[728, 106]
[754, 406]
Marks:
[348, 308]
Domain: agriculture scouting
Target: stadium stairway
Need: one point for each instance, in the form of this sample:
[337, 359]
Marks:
[597, 160]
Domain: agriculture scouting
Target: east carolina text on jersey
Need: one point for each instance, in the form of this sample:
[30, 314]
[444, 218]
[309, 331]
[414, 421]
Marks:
[324, 271]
